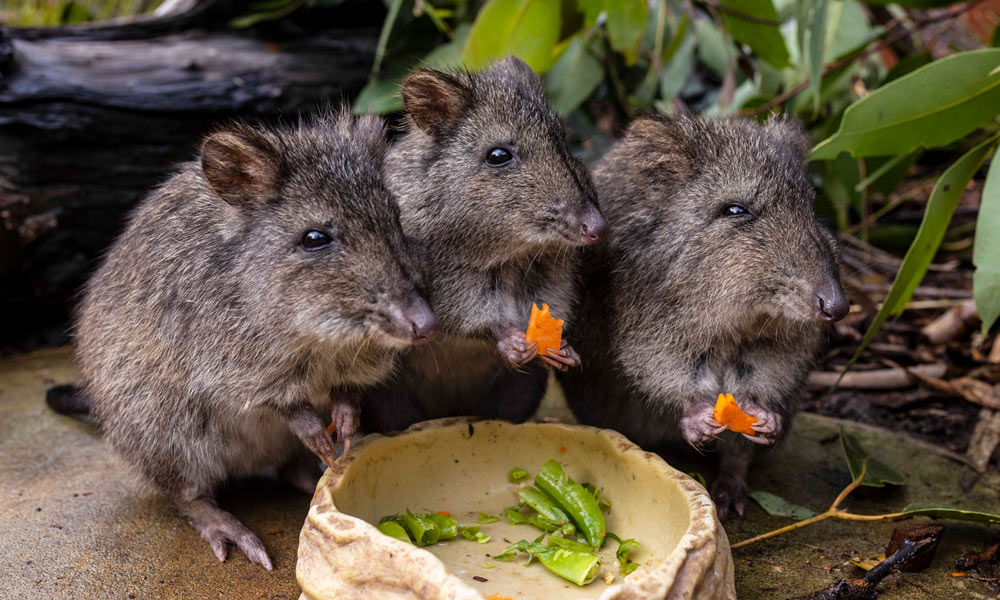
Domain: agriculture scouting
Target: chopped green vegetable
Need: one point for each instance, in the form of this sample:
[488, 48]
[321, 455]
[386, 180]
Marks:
[543, 504]
[515, 517]
[489, 565]
[579, 567]
[507, 556]
[485, 518]
[394, 529]
[624, 547]
[448, 526]
[422, 529]
[473, 533]
[580, 504]
[517, 475]
[568, 544]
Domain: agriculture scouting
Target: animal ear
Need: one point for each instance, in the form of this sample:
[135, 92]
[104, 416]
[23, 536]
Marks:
[662, 147]
[792, 134]
[434, 100]
[241, 165]
[517, 70]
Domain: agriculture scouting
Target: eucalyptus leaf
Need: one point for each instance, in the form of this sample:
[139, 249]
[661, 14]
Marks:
[574, 77]
[861, 463]
[626, 25]
[940, 208]
[779, 507]
[528, 29]
[764, 39]
[986, 251]
[932, 106]
[942, 512]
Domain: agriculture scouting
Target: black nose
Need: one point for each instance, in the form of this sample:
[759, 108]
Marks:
[592, 226]
[831, 304]
[420, 321]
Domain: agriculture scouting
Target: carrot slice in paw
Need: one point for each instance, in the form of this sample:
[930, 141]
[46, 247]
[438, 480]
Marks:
[729, 414]
[545, 331]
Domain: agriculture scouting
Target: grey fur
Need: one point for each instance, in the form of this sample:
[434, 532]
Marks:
[683, 303]
[208, 333]
[494, 239]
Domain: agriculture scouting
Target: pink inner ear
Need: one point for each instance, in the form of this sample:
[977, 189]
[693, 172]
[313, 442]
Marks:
[241, 167]
[434, 100]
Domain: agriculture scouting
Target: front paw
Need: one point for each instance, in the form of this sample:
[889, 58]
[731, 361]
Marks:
[561, 359]
[698, 425]
[515, 349]
[345, 418]
[768, 425]
[306, 424]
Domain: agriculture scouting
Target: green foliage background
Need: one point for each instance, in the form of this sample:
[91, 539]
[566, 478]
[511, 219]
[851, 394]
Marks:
[604, 61]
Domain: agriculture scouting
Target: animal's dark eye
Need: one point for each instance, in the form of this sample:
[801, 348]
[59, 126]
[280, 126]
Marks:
[498, 157]
[315, 239]
[734, 210]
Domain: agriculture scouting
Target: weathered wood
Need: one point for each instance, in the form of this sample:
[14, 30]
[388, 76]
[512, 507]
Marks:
[88, 125]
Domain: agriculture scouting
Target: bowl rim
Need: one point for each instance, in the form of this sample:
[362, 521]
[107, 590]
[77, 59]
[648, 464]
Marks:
[702, 545]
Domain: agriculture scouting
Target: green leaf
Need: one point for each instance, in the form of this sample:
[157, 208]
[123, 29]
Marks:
[626, 25]
[861, 463]
[779, 507]
[942, 512]
[574, 77]
[677, 71]
[932, 106]
[379, 96]
[815, 32]
[986, 250]
[485, 518]
[764, 40]
[528, 29]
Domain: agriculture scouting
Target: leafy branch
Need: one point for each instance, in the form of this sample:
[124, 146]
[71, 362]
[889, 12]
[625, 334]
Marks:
[866, 470]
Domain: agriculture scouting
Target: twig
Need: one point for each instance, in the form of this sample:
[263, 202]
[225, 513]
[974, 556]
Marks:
[879, 379]
[953, 324]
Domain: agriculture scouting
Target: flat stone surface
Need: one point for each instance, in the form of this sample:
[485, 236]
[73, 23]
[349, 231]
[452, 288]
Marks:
[75, 526]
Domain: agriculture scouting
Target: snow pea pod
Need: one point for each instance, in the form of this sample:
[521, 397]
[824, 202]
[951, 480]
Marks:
[580, 504]
[543, 504]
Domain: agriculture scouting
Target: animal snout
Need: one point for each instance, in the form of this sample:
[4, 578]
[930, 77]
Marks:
[592, 226]
[831, 304]
[419, 321]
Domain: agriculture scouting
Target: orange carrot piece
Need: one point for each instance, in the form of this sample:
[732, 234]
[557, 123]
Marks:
[545, 331]
[729, 414]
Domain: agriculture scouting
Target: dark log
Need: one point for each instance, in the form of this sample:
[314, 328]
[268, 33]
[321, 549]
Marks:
[88, 125]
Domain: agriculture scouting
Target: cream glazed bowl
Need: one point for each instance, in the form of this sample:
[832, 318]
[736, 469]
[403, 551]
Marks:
[460, 466]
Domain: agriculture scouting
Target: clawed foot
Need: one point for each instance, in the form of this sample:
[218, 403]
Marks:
[346, 417]
[698, 426]
[220, 529]
[515, 349]
[768, 425]
[562, 359]
[730, 495]
[307, 425]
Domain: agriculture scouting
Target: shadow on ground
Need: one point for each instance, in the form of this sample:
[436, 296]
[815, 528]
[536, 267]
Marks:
[75, 527]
